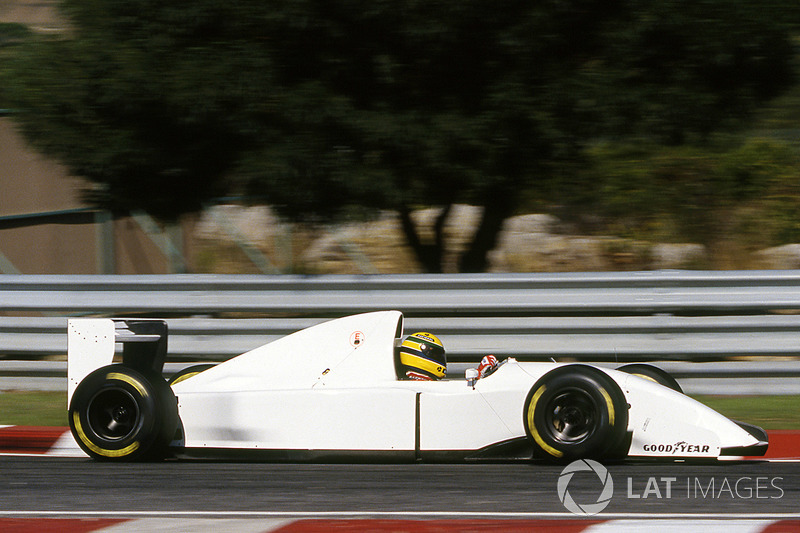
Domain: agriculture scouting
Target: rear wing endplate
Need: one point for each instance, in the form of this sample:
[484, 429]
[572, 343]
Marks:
[92, 343]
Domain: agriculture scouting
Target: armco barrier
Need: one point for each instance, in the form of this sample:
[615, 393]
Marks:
[628, 338]
[580, 294]
[659, 315]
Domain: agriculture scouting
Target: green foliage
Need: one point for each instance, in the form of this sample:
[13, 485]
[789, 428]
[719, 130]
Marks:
[11, 36]
[12, 33]
[781, 218]
[664, 193]
[755, 167]
[690, 194]
[687, 67]
[326, 107]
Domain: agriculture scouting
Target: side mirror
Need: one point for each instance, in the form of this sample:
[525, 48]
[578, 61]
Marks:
[472, 376]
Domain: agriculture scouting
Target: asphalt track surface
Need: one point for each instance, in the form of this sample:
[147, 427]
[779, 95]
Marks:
[51, 486]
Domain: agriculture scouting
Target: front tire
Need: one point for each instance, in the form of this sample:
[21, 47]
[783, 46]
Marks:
[653, 373]
[189, 372]
[120, 414]
[575, 412]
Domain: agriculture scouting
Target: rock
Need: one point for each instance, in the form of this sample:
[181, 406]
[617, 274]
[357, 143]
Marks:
[786, 257]
[527, 243]
[542, 252]
[375, 246]
[255, 224]
[526, 224]
[677, 255]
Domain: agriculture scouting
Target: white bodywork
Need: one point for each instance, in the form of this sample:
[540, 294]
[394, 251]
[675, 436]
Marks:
[334, 387]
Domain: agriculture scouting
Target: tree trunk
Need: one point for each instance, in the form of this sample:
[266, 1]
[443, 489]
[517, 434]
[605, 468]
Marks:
[428, 254]
[495, 212]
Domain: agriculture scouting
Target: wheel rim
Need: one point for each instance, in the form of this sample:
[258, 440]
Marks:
[113, 414]
[571, 416]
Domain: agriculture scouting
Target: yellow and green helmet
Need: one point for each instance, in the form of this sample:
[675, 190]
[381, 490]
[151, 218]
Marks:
[422, 356]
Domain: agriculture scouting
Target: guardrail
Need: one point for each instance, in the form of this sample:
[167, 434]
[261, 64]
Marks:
[642, 293]
[673, 316]
[665, 315]
[635, 338]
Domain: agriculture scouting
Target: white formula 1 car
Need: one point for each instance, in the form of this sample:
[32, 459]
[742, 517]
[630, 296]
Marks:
[332, 393]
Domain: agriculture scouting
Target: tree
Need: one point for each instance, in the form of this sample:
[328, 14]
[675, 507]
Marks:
[329, 107]
[154, 121]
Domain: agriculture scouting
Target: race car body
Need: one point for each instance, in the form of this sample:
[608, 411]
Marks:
[334, 392]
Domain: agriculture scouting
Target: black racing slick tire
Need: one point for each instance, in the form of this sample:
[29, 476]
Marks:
[189, 372]
[653, 373]
[120, 414]
[576, 412]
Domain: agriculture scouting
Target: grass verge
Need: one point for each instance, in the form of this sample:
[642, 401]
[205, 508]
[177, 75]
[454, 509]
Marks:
[768, 412]
[40, 408]
[33, 408]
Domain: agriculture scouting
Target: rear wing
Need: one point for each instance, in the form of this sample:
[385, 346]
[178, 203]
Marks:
[92, 343]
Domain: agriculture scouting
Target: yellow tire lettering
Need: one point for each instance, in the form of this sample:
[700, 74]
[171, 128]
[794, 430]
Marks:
[609, 404]
[532, 427]
[96, 449]
[130, 381]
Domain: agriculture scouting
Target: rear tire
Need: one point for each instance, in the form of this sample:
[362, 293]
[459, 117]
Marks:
[575, 412]
[653, 373]
[120, 414]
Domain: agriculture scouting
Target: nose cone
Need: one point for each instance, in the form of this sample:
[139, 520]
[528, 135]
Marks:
[757, 449]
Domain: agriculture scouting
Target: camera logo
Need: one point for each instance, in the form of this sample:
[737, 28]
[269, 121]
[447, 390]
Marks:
[585, 509]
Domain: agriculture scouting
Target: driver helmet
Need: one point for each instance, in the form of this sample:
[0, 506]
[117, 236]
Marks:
[422, 357]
